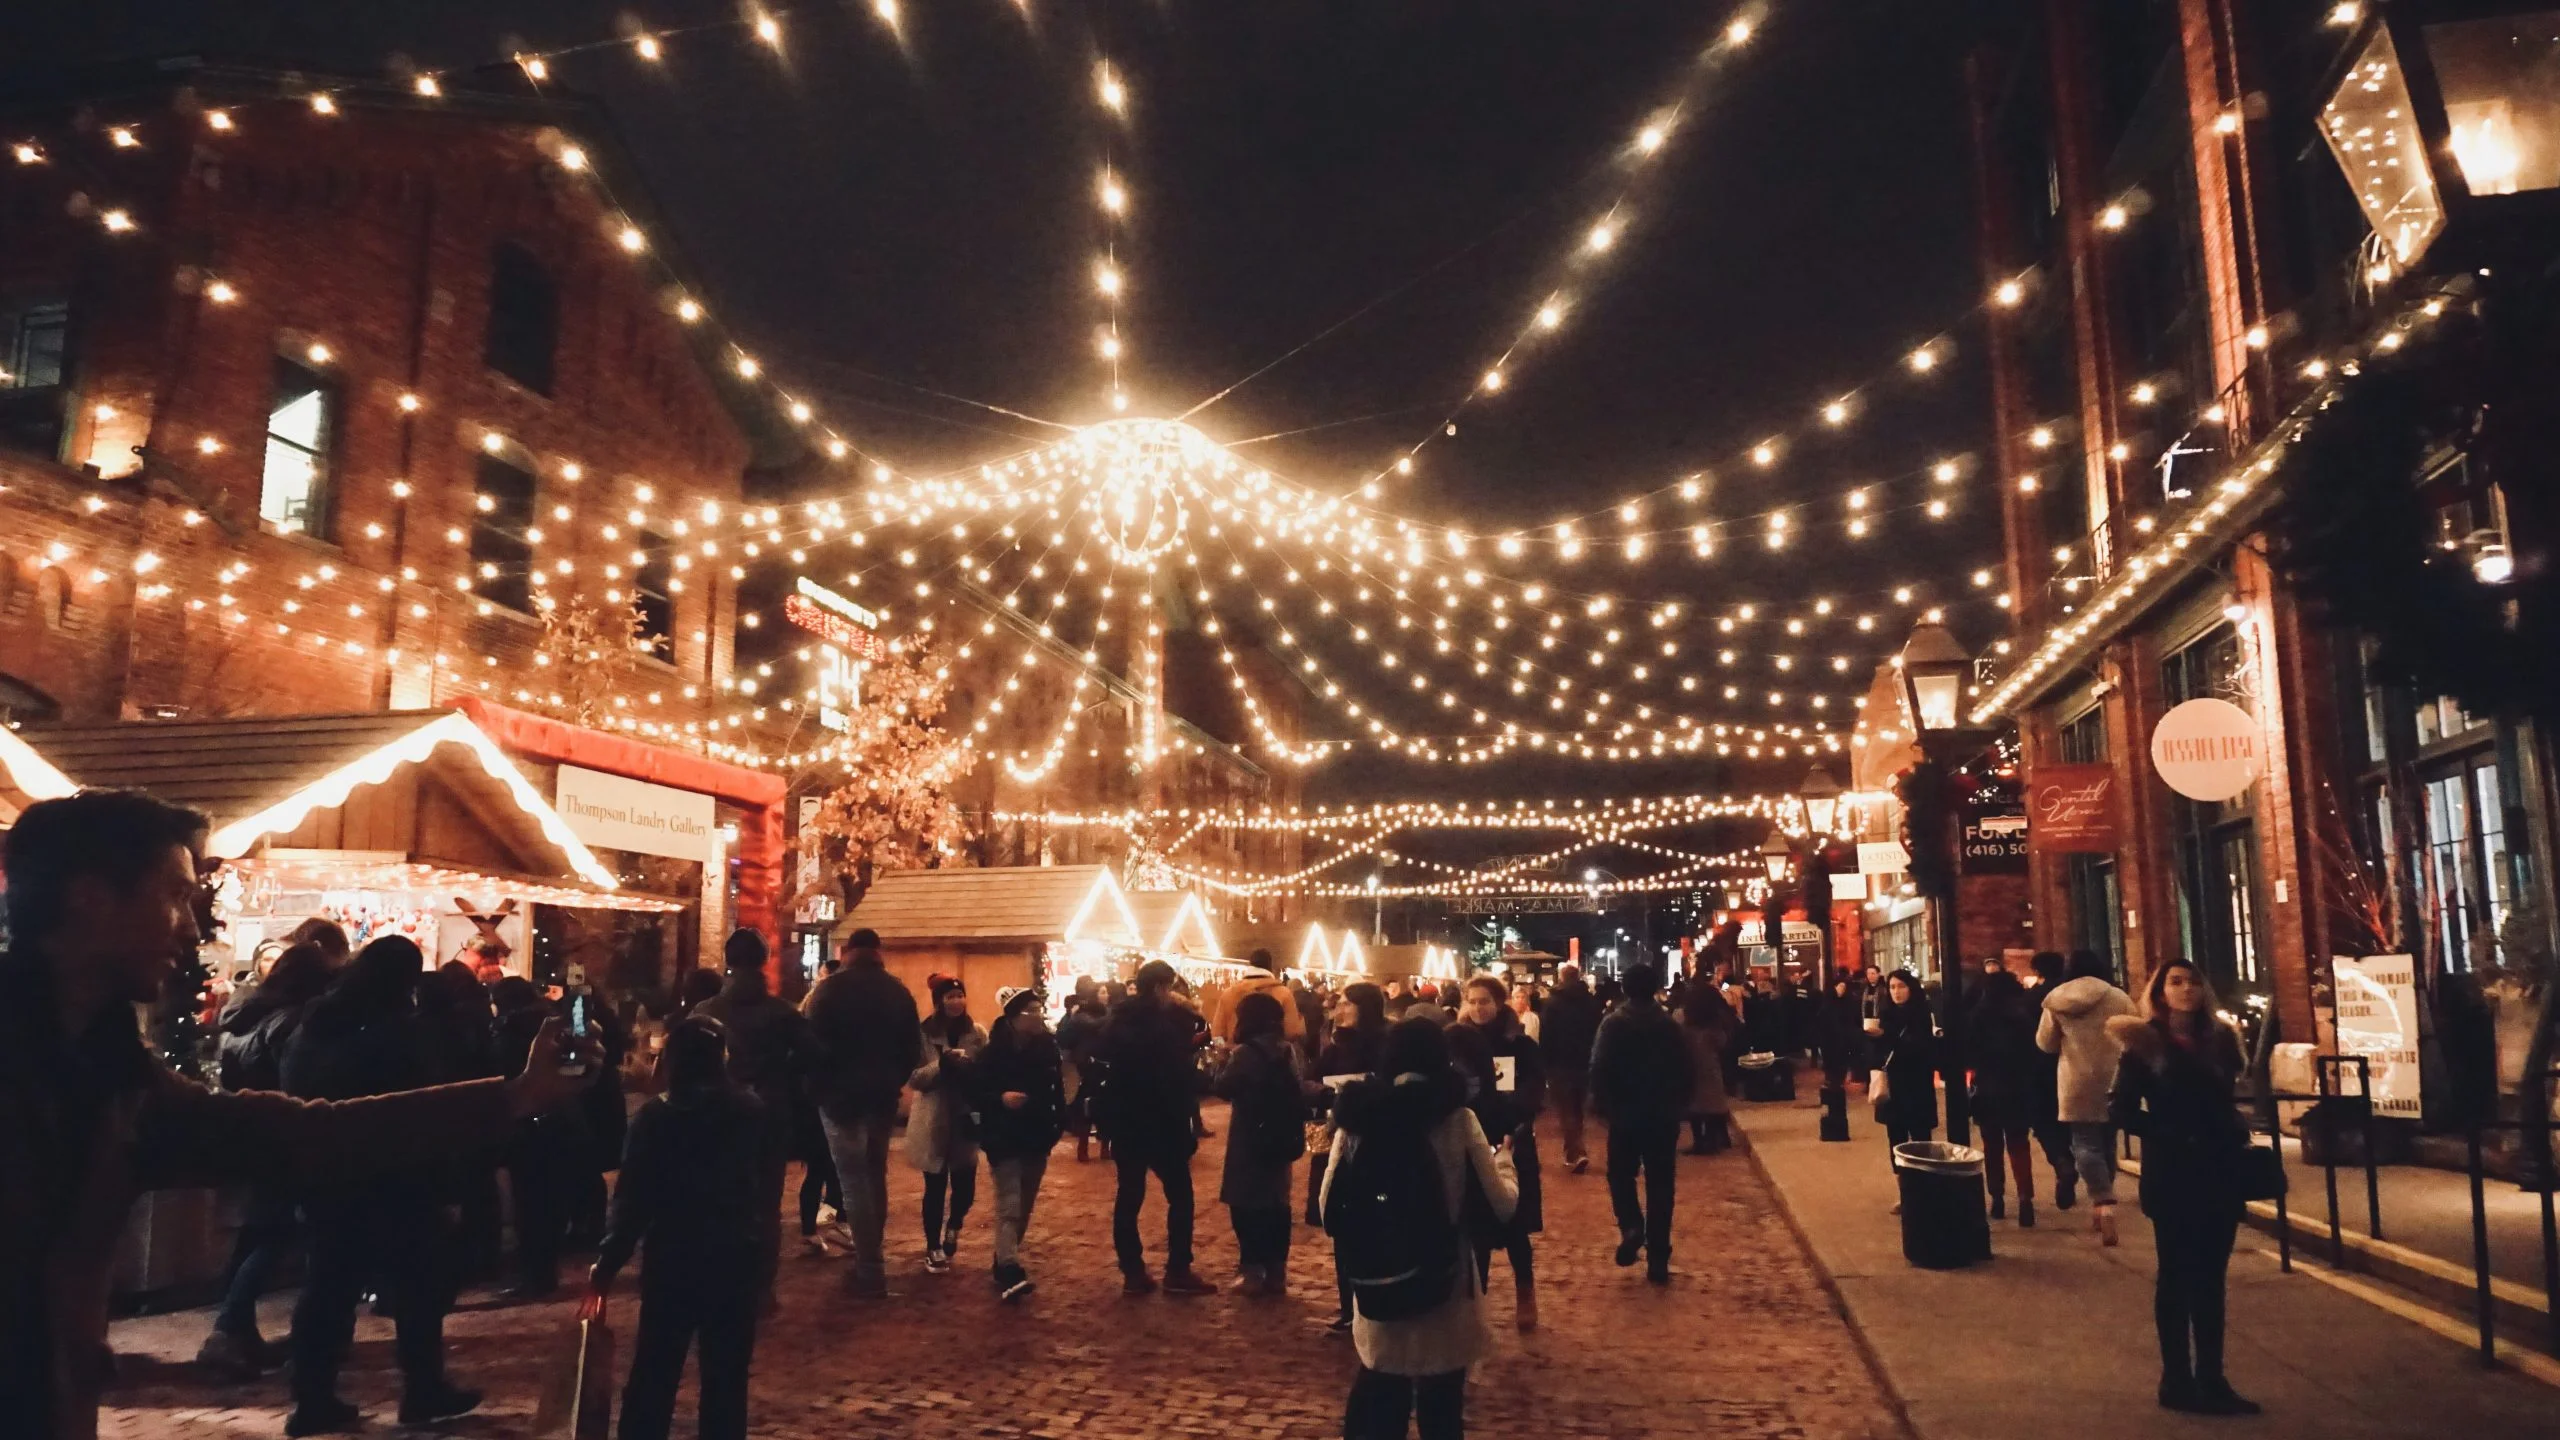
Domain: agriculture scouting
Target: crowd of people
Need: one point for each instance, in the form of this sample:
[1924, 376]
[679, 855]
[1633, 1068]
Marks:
[370, 1104]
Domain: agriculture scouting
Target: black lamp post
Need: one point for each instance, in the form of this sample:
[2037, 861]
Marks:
[1818, 803]
[1935, 670]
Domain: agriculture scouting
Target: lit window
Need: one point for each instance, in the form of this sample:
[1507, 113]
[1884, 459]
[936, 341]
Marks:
[2370, 125]
[293, 490]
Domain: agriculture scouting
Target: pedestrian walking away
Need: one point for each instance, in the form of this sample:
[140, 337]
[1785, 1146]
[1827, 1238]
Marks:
[2047, 970]
[1566, 1030]
[1907, 1059]
[869, 1040]
[1078, 1033]
[1266, 1133]
[1641, 1080]
[692, 1199]
[1506, 1088]
[2001, 1036]
[2075, 1027]
[1357, 1044]
[2174, 1090]
[942, 1127]
[1146, 1111]
[1406, 1154]
[1021, 1099]
[769, 1052]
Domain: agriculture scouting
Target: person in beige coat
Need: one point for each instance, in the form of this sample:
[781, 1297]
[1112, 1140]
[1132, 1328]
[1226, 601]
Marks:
[2074, 1026]
[1416, 1368]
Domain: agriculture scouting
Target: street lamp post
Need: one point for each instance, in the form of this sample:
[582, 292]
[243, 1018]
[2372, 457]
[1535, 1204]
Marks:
[1377, 913]
[1934, 671]
[1819, 803]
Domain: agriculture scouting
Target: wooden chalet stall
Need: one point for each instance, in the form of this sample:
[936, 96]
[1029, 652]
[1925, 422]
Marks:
[1025, 924]
[407, 822]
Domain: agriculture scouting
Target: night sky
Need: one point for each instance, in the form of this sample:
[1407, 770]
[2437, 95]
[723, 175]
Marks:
[883, 217]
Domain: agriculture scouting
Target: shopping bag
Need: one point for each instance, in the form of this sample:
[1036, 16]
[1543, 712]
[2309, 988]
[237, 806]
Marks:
[577, 1383]
[1879, 1094]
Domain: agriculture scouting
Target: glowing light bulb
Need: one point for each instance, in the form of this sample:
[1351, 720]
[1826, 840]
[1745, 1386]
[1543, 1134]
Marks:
[688, 310]
[1737, 32]
[1492, 380]
[748, 369]
[1110, 347]
[535, 68]
[2227, 123]
[26, 153]
[2009, 294]
[117, 221]
[1113, 94]
[220, 292]
[1764, 454]
[1835, 413]
[572, 158]
[2041, 437]
[1944, 472]
[123, 138]
[2114, 217]
[1115, 196]
[1924, 360]
[218, 119]
[631, 240]
[649, 48]
[1106, 278]
[2145, 393]
[769, 30]
[324, 104]
[318, 353]
[1650, 138]
[1550, 315]
[427, 86]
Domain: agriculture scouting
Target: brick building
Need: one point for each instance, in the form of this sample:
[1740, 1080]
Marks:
[318, 389]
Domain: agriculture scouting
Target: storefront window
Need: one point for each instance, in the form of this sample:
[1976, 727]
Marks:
[2501, 84]
[2465, 869]
[2371, 126]
[2216, 844]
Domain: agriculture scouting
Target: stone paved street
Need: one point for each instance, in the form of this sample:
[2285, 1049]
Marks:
[1744, 1343]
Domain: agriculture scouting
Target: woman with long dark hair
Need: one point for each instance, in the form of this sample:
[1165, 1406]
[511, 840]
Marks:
[256, 1030]
[1908, 1046]
[942, 1132]
[1707, 1027]
[1356, 1043]
[1510, 1089]
[2174, 1089]
[1266, 1133]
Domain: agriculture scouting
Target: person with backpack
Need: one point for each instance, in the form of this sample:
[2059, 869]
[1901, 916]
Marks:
[1641, 1080]
[1507, 1087]
[1356, 1041]
[942, 1128]
[692, 1193]
[1266, 1133]
[2006, 1063]
[1407, 1153]
[256, 1030]
[1022, 1106]
[1148, 1112]
[769, 1050]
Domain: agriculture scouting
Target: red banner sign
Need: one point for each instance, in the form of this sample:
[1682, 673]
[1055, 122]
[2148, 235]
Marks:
[2071, 809]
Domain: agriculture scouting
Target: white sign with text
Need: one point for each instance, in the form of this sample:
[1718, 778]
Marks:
[2377, 1000]
[620, 813]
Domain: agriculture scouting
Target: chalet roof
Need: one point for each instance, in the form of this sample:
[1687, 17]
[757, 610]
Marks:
[1023, 903]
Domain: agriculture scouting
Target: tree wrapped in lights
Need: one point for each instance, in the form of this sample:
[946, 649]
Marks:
[585, 653]
[890, 805]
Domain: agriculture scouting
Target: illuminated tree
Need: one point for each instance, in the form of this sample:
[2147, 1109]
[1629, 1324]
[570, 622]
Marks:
[889, 804]
[585, 653]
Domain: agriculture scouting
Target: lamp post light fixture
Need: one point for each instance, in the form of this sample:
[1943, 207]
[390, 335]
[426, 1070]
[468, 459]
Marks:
[2443, 121]
[1777, 853]
[1934, 668]
[1818, 801]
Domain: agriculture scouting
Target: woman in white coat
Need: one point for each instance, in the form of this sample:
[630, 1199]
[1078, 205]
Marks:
[2074, 1026]
[1415, 1367]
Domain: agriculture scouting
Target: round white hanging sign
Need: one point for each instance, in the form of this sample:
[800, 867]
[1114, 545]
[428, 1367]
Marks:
[2209, 749]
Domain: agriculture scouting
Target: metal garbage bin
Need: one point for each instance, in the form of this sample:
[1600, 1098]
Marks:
[1946, 1224]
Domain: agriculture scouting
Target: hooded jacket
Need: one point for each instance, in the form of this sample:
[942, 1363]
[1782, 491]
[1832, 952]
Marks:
[2178, 1100]
[1026, 1063]
[1223, 1023]
[2074, 1026]
[1641, 1073]
[1568, 1026]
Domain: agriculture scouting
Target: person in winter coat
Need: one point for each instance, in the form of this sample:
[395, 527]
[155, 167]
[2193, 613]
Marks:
[1641, 1079]
[105, 900]
[257, 1027]
[769, 1052]
[1356, 1046]
[1021, 1096]
[692, 1197]
[1222, 1017]
[363, 1038]
[1839, 1030]
[1507, 1087]
[1707, 1027]
[462, 1044]
[1146, 1113]
[1566, 1029]
[2047, 970]
[1909, 1046]
[2006, 1062]
[1078, 1033]
[543, 1155]
[2174, 1089]
[942, 1128]
[1415, 1369]
[2074, 1026]
[1266, 1133]
[869, 1040]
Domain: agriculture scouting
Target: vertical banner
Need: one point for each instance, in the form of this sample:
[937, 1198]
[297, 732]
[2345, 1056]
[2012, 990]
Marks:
[2377, 1000]
[2071, 809]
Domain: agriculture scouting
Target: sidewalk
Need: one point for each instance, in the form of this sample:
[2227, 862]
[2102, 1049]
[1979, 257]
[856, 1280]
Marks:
[2426, 1222]
[2053, 1337]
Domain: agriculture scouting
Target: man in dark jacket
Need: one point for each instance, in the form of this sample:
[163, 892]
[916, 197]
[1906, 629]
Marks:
[869, 1039]
[1149, 1099]
[1640, 1081]
[769, 1051]
[693, 1192]
[1566, 1029]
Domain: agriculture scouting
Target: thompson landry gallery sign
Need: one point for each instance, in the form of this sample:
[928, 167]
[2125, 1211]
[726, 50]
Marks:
[2071, 809]
[620, 813]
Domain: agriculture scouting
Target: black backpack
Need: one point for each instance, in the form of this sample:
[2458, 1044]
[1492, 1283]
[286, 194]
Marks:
[1394, 1234]
[1279, 1115]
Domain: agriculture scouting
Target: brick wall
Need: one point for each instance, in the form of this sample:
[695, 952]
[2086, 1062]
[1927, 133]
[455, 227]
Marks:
[369, 235]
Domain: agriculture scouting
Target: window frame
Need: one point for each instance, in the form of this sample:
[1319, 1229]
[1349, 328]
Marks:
[320, 498]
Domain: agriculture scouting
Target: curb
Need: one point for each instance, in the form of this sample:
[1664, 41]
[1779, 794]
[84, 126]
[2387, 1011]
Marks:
[1894, 1398]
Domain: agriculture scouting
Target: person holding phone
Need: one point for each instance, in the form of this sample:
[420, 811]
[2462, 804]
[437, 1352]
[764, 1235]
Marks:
[942, 1128]
[1508, 1076]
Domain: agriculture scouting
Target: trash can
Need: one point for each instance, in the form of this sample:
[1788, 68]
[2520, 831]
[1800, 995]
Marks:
[1945, 1222]
[1766, 1076]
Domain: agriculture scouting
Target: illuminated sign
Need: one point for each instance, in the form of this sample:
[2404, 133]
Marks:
[824, 613]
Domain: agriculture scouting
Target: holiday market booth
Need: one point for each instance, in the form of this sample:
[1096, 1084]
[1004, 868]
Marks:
[1034, 924]
[411, 823]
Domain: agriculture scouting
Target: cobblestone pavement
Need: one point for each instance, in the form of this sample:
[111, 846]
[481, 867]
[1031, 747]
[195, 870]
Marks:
[1743, 1343]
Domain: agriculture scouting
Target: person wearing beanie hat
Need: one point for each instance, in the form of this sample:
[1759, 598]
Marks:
[769, 1051]
[1019, 1086]
[942, 1128]
[1223, 1021]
